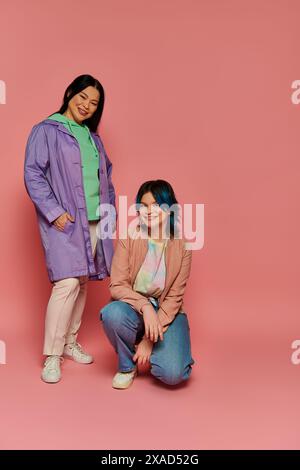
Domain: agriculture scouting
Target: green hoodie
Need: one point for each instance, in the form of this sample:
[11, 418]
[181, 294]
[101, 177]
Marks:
[89, 160]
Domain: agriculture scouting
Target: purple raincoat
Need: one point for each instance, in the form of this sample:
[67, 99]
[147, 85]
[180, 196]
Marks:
[53, 179]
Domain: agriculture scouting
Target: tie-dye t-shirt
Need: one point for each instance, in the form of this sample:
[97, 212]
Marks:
[150, 280]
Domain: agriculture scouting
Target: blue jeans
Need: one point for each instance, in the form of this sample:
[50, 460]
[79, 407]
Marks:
[171, 360]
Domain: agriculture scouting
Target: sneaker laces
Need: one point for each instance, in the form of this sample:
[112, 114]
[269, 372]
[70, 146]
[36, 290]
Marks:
[50, 362]
[77, 347]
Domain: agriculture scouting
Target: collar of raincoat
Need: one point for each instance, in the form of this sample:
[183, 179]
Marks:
[71, 123]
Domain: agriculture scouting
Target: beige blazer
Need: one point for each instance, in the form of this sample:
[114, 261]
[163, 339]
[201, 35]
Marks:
[128, 257]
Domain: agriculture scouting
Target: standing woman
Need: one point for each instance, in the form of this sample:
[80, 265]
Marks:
[67, 175]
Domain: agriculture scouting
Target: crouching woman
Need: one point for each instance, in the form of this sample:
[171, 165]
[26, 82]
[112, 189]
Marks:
[146, 322]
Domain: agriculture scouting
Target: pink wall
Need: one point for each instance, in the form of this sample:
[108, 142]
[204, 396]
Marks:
[198, 93]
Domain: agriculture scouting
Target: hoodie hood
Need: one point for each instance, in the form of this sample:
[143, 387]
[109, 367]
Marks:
[67, 121]
[66, 125]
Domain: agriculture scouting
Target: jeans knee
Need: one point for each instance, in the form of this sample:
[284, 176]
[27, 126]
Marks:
[169, 375]
[111, 314]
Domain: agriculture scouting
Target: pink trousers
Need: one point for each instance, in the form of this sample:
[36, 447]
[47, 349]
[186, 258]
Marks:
[65, 308]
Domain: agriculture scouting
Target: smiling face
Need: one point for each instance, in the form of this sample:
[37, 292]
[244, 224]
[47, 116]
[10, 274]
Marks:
[83, 105]
[152, 215]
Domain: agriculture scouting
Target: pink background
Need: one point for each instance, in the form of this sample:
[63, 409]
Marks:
[198, 93]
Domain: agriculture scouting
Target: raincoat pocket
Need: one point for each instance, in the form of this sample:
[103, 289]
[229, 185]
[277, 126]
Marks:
[68, 227]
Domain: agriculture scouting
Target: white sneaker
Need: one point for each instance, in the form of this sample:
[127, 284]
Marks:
[74, 351]
[51, 372]
[124, 379]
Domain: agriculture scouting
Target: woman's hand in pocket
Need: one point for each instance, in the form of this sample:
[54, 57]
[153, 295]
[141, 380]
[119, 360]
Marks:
[61, 221]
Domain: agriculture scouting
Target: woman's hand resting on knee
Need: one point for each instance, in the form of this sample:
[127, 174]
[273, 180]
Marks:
[143, 351]
[153, 327]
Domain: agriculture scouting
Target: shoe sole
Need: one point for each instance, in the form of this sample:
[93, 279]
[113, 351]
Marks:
[78, 362]
[50, 381]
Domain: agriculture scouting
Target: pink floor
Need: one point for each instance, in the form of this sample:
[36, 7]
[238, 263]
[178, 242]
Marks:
[243, 394]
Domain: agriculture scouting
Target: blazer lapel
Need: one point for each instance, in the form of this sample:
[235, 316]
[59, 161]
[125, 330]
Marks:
[173, 261]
